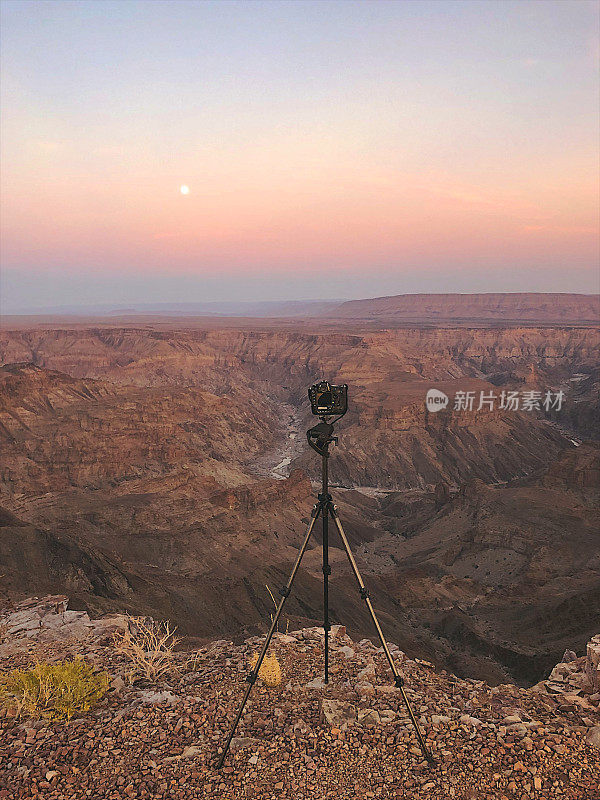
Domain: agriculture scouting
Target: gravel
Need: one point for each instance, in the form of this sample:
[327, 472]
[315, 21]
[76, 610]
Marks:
[500, 742]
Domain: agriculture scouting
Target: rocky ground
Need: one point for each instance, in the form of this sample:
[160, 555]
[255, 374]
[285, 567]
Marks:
[351, 739]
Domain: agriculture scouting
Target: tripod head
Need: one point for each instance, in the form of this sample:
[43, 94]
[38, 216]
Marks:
[321, 436]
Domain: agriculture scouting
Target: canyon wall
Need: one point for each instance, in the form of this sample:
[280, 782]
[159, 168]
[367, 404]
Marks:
[389, 439]
[141, 458]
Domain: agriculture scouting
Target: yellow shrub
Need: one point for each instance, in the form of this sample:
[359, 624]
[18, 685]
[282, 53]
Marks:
[269, 672]
[57, 691]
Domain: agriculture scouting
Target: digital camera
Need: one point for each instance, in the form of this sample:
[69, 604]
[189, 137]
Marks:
[327, 399]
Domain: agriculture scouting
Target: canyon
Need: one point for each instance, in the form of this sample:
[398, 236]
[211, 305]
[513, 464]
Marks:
[160, 467]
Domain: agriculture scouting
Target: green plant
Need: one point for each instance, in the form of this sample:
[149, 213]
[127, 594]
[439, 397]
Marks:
[149, 645]
[56, 691]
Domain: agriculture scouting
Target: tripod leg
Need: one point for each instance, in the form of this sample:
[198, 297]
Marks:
[326, 574]
[285, 591]
[398, 680]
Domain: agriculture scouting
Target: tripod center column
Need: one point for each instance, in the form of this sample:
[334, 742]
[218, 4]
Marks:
[326, 568]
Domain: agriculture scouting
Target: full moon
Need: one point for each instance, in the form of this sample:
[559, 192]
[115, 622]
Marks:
[184, 189]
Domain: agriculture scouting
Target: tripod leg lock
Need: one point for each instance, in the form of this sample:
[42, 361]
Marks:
[398, 681]
[251, 678]
[327, 570]
[285, 591]
[364, 592]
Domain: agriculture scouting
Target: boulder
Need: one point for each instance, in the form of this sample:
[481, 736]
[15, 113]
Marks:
[593, 737]
[117, 684]
[191, 751]
[368, 673]
[313, 633]
[569, 655]
[148, 697]
[592, 663]
[316, 683]
[240, 742]
[367, 644]
[337, 713]
[29, 622]
[301, 729]
[283, 638]
[368, 716]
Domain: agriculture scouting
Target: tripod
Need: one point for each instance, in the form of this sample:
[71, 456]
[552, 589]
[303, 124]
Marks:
[319, 438]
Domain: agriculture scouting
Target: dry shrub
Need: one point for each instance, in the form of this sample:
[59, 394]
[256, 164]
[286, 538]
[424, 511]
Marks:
[55, 691]
[275, 603]
[149, 645]
[195, 663]
[269, 672]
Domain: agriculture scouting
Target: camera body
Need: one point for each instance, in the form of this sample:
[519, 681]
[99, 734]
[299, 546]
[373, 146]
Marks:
[327, 399]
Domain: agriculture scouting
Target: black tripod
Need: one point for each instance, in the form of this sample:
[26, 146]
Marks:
[319, 438]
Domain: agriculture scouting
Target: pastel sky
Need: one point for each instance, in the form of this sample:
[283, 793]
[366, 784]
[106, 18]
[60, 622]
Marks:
[343, 149]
